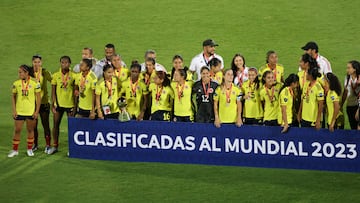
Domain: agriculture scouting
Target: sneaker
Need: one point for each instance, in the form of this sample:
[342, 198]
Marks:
[30, 152]
[34, 148]
[52, 150]
[13, 153]
[47, 149]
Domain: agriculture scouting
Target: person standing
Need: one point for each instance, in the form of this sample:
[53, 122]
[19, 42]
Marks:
[204, 58]
[273, 66]
[240, 70]
[204, 90]
[313, 49]
[26, 100]
[182, 97]
[351, 91]
[87, 53]
[333, 93]
[152, 54]
[42, 76]
[62, 97]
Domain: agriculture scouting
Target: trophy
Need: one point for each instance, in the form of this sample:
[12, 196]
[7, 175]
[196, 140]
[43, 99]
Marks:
[123, 114]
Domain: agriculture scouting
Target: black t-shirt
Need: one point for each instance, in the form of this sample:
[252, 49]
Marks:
[204, 101]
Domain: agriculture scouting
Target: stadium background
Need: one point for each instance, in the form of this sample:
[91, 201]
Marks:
[55, 28]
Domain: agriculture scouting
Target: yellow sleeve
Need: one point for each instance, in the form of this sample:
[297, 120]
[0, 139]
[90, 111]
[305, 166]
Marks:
[334, 97]
[217, 93]
[14, 90]
[53, 80]
[47, 76]
[320, 92]
[37, 87]
[284, 97]
[98, 89]
[144, 88]
[171, 93]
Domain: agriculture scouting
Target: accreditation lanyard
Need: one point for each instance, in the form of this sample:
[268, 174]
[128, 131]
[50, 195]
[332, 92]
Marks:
[272, 95]
[228, 94]
[354, 85]
[108, 85]
[64, 79]
[83, 80]
[241, 77]
[206, 90]
[206, 59]
[180, 90]
[158, 93]
[133, 87]
[25, 87]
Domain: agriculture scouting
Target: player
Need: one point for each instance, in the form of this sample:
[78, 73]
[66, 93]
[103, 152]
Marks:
[269, 96]
[120, 72]
[351, 91]
[85, 85]
[182, 102]
[252, 111]
[239, 69]
[227, 102]
[273, 66]
[107, 94]
[333, 93]
[178, 63]
[204, 90]
[286, 100]
[26, 100]
[312, 101]
[135, 92]
[216, 74]
[150, 73]
[42, 76]
[162, 97]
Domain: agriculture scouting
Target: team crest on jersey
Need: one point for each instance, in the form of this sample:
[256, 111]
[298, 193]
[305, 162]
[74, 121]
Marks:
[332, 98]
[285, 99]
[164, 92]
[30, 86]
[211, 90]
[321, 94]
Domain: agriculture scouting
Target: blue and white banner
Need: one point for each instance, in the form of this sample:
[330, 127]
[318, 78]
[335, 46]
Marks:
[196, 143]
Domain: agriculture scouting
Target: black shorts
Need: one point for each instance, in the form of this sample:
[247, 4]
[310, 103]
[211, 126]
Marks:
[306, 124]
[252, 121]
[271, 123]
[112, 116]
[182, 119]
[23, 118]
[83, 113]
[45, 108]
[160, 116]
[63, 109]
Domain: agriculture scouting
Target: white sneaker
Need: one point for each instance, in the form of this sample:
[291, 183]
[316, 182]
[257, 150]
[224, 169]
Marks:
[13, 153]
[47, 149]
[52, 150]
[30, 152]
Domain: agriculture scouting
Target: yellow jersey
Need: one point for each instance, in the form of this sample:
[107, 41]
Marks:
[86, 85]
[286, 98]
[109, 93]
[218, 77]
[271, 99]
[64, 89]
[311, 95]
[252, 106]
[121, 74]
[278, 72]
[25, 91]
[182, 101]
[228, 103]
[302, 79]
[43, 76]
[148, 80]
[161, 98]
[331, 97]
[134, 95]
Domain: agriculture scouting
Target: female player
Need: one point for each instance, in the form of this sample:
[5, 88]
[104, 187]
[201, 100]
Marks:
[286, 100]
[351, 91]
[215, 70]
[42, 76]
[85, 85]
[239, 69]
[107, 94]
[273, 66]
[306, 62]
[121, 73]
[162, 97]
[182, 102]
[312, 101]
[150, 73]
[227, 102]
[62, 97]
[252, 111]
[178, 63]
[333, 92]
[204, 90]
[269, 95]
[26, 100]
[136, 93]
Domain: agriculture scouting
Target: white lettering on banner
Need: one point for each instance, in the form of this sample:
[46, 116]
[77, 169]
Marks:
[210, 144]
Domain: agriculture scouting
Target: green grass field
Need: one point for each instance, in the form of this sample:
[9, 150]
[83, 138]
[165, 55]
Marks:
[55, 28]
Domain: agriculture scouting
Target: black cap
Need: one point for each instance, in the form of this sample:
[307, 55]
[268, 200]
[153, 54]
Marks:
[310, 45]
[210, 42]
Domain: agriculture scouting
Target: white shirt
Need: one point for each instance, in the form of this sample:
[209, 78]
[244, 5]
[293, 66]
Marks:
[158, 67]
[96, 68]
[241, 77]
[199, 61]
[324, 64]
[351, 96]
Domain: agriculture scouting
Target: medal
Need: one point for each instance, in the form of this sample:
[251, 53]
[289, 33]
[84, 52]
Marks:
[180, 91]
[25, 88]
[158, 94]
[108, 85]
[228, 94]
[133, 88]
